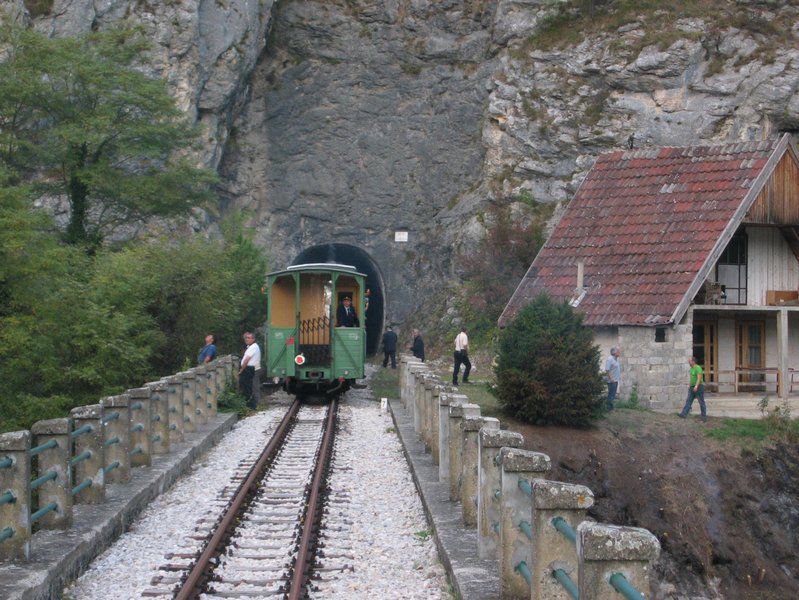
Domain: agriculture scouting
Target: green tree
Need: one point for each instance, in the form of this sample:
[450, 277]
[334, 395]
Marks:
[79, 121]
[548, 366]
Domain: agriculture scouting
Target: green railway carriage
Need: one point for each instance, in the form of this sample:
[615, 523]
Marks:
[305, 351]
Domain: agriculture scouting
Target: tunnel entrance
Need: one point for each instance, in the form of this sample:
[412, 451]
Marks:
[344, 254]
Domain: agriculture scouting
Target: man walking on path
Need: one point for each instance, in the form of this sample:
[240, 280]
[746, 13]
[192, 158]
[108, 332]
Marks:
[389, 348]
[418, 345]
[249, 381]
[461, 357]
[696, 389]
[208, 353]
[613, 374]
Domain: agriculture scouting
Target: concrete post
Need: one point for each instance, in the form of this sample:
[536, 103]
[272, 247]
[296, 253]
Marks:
[92, 468]
[117, 428]
[189, 401]
[488, 490]
[200, 408]
[406, 362]
[551, 549]
[457, 412]
[56, 459]
[603, 551]
[418, 393]
[210, 390]
[470, 434]
[430, 382]
[159, 415]
[15, 480]
[515, 546]
[435, 449]
[174, 402]
[140, 427]
[444, 402]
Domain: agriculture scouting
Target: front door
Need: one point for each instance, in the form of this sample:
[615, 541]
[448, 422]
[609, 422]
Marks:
[751, 356]
[705, 351]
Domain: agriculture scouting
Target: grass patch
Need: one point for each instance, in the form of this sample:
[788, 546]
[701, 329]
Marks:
[423, 535]
[480, 392]
[755, 430]
[230, 401]
[385, 383]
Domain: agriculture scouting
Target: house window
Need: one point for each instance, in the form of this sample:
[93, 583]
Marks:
[731, 270]
[660, 334]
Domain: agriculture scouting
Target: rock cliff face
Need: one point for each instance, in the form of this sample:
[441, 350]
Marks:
[343, 121]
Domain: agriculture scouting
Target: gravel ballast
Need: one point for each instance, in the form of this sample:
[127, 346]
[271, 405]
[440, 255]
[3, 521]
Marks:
[377, 543]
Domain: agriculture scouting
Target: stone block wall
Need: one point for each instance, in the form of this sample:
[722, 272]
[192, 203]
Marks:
[658, 369]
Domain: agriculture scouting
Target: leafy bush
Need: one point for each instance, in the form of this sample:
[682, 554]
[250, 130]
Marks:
[548, 366]
[231, 401]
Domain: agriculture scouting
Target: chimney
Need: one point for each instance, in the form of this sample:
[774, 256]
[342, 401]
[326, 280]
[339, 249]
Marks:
[580, 273]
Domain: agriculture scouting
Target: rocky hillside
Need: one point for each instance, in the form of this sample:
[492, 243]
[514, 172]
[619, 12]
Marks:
[346, 120]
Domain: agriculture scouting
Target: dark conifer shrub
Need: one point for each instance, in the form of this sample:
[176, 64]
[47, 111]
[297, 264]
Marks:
[548, 366]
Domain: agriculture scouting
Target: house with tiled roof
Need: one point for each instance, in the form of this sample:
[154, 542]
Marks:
[672, 252]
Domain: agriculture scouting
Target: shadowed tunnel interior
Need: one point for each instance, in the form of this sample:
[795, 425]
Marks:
[345, 254]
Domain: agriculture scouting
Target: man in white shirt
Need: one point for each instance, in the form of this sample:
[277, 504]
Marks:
[461, 357]
[249, 372]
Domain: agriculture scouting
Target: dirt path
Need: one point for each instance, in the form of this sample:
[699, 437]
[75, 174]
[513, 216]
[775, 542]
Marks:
[727, 519]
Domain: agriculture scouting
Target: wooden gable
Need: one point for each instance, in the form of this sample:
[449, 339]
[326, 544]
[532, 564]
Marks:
[778, 201]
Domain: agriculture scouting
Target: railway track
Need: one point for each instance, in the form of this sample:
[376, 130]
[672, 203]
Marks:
[263, 543]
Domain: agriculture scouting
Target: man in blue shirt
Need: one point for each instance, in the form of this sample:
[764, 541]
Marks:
[613, 373]
[208, 353]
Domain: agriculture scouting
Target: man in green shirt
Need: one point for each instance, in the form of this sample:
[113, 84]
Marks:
[696, 389]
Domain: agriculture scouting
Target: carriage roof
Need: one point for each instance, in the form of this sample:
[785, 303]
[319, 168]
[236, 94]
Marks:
[327, 267]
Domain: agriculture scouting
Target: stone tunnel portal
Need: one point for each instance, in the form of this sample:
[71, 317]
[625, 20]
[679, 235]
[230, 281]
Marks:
[346, 254]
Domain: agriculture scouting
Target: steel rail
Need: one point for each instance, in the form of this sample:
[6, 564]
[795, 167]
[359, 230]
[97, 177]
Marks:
[304, 554]
[191, 586]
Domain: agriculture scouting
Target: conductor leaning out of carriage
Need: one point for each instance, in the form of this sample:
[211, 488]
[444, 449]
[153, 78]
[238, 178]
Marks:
[345, 315]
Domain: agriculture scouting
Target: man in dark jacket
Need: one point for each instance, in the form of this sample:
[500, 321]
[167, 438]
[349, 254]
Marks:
[345, 315]
[390, 348]
[418, 345]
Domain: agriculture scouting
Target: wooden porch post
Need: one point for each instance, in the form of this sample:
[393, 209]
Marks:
[783, 375]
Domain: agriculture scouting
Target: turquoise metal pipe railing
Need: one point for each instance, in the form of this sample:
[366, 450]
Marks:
[619, 583]
[6, 533]
[156, 418]
[81, 486]
[137, 427]
[524, 571]
[81, 430]
[156, 437]
[46, 446]
[136, 406]
[173, 427]
[40, 481]
[567, 583]
[498, 459]
[156, 397]
[111, 417]
[43, 511]
[495, 527]
[527, 529]
[497, 494]
[86, 454]
[567, 530]
[111, 467]
[525, 486]
[111, 442]
[7, 498]
[173, 409]
[136, 450]
[6, 462]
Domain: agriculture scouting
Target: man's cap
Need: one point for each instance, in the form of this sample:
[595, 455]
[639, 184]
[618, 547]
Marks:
[346, 298]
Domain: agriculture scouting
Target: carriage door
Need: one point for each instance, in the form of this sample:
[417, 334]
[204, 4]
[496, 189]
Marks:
[751, 356]
[705, 351]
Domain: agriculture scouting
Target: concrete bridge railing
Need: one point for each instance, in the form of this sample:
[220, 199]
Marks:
[44, 472]
[536, 528]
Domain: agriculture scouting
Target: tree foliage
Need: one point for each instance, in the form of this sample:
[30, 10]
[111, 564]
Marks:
[548, 366]
[75, 327]
[78, 120]
[495, 267]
